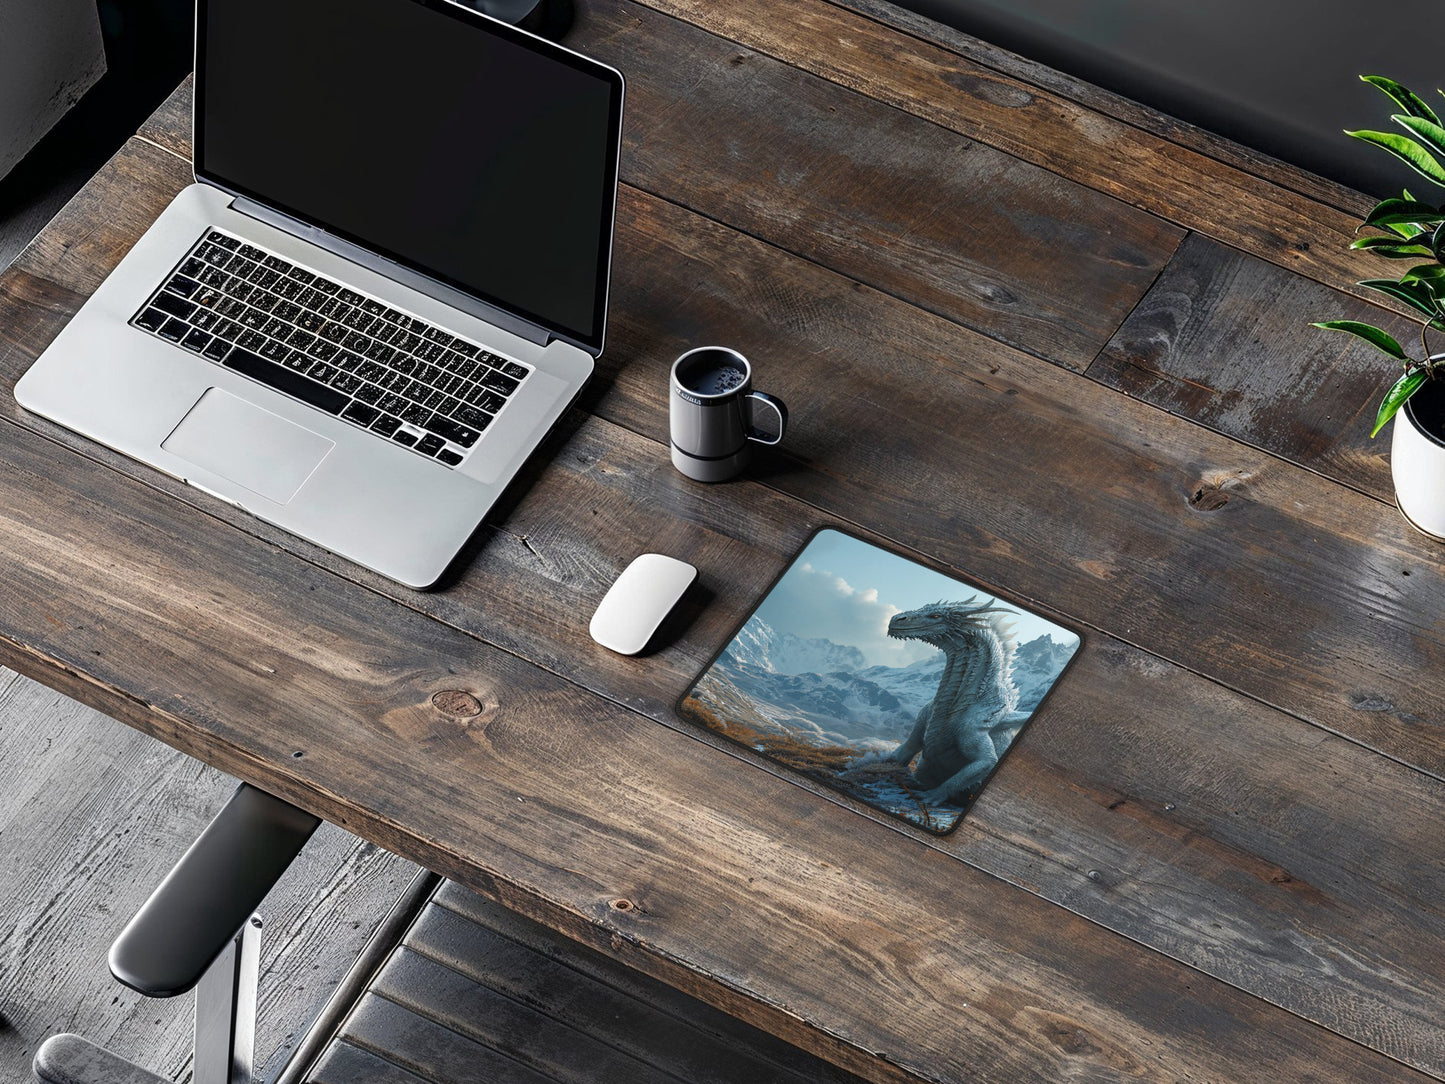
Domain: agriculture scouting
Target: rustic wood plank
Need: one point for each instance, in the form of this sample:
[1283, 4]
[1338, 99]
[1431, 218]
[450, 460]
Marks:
[1223, 339]
[92, 815]
[528, 1035]
[1098, 100]
[347, 1064]
[561, 821]
[598, 997]
[1177, 183]
[543, 568]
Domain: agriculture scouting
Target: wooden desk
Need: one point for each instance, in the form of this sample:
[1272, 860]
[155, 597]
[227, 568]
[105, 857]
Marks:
[1032, 332]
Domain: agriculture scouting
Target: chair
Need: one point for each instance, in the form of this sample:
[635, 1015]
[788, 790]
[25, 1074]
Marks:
[199, 931]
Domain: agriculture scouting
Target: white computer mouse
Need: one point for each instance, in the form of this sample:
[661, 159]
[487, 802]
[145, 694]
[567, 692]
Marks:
[637, 602]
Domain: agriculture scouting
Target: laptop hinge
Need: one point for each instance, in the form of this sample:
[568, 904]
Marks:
[447, 295]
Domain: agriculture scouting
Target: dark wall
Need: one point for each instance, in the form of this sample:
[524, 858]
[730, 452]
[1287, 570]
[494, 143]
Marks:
[1278, 75]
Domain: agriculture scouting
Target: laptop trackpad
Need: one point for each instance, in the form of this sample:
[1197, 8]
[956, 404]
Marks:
[247, 445]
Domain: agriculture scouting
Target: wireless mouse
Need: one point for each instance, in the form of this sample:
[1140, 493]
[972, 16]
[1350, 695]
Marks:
[639, 600]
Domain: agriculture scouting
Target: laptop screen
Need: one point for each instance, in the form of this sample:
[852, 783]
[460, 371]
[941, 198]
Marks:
[456, 146]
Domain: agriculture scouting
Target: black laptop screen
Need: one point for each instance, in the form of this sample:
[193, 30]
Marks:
[456, 146]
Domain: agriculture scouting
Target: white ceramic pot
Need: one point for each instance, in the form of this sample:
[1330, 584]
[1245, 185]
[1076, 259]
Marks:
[1417, 459]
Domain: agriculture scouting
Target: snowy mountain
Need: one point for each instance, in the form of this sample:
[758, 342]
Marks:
[825, 694]
[757, 644]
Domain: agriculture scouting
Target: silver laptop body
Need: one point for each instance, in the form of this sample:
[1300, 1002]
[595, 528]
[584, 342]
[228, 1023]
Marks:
[401, 502]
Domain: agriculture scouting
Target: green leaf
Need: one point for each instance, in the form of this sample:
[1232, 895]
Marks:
[1393, 248]
[1437, 241]
[1395, 398]
[1427, 131]
[1415, 294]
[1371, 334]
[1393, 212]
[1407, 150]
[1405, 98]
[1428, 274]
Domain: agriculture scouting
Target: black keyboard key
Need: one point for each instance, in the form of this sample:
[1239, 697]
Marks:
[392, 404]
[300, 339]
[174, 306]
[301, 275]
[498, 382]
[323, 350]
[403, 437]
[274, 350]
[311, 321]
[151, 319]
[229, 330]
[333, 332]
[369, 393]
[183, 286]
[299, 362]
[449, 457]
[325, 286]
[251, 252]
[277, 329]
[174, 329]
[361, 414]
[347, 382]
[226, 242]
[473, 417]
[322, 372]
[288, 288]
[213, 276]
[406, 341]
[434, 398]
[351, 297]
[192, 267]
[375, 308]
[386, 425]
[432, 352]
[218, 349]
[489, 401]
[357, 342]
[276, 263]
[206, 320]
[450, 430]
[429, 444]
[252, 319]
[251, 340]
[196, 340]
[283, 379]
[437, 335]
[370, 370]
[417, 415]
[346, 361]
[208, 297]
[515, 371]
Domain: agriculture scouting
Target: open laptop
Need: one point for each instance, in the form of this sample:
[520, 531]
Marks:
[387, 284]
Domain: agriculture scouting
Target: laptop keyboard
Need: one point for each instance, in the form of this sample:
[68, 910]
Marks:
[353, 356]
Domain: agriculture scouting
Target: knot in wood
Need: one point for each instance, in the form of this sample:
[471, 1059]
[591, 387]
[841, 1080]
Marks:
[622, 905]
[456, 703]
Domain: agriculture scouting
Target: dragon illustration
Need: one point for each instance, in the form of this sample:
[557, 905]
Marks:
[972, 717]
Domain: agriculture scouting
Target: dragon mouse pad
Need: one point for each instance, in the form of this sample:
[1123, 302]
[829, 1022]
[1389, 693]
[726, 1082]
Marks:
[875, 675]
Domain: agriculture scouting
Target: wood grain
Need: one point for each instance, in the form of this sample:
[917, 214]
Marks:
[1098, 100]
[561, 804]
[1180, 184]
[1223, 339]
[594, 496]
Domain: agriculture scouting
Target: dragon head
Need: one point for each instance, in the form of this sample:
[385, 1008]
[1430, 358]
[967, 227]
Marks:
[938, 623]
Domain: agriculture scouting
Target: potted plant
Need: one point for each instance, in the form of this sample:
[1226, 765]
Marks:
[1413, 230]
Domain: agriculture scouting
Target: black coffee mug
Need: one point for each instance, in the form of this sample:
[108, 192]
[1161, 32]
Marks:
[712, 410]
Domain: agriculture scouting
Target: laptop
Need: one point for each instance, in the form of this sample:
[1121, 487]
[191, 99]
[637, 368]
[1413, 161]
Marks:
[386, 285]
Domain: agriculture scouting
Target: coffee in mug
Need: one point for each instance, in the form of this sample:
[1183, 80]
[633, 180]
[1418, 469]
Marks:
[714, 414]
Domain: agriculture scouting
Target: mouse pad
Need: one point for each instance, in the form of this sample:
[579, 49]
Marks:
[875, 675]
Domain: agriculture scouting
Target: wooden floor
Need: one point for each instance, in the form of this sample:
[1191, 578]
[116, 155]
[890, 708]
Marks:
[92, 814]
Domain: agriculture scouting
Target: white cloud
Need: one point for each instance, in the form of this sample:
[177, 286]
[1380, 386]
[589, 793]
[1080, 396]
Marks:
[811, 602]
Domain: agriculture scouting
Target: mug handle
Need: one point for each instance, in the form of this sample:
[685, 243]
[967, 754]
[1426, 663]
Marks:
[776, 404]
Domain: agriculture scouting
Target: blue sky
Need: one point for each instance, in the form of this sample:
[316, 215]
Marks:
[845, 590]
